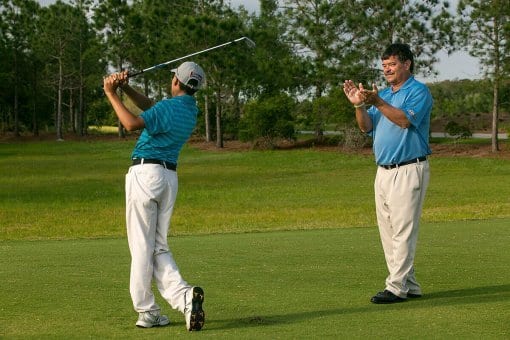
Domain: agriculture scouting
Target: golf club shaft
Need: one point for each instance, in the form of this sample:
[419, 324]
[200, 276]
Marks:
[130, 75]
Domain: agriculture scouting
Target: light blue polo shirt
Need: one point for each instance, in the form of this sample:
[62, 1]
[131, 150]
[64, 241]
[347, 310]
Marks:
[393, 144]
[168, 125]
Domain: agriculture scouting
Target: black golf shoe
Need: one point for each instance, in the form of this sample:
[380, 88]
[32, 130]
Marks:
[386, 297]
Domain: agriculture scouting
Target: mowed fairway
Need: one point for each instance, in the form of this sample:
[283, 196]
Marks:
[287, 285]
[284, 244]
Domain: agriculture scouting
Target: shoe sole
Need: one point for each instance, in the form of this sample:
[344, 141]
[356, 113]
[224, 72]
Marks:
[141, 324]
[149, 325]
[386, 302]
[413, 296]
[197, 318]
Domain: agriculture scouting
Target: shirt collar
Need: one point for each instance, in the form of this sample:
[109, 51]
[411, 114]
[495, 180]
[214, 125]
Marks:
[406, 84]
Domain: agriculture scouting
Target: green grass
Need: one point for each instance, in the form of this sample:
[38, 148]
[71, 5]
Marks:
[284, 243]
[294, 284]
[76, 190]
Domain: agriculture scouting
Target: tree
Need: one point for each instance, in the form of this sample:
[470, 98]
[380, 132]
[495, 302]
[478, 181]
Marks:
[88, 63]
[422, 24]
[317, 30]
[343, 39]
[225, 68]
[484, 28]
[110, 19]
[154, 37]
[273, 52]
[18, 17]
[59, 41]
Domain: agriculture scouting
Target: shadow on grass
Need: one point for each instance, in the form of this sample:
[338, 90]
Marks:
[466, 294]
[449, 297]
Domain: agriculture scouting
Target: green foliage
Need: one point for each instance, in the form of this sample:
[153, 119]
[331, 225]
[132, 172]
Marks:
[330, 112]
[303, 115]
[319, 30]
[461, 97]
[484, 28]
[277, 67]
[52, 58]
[269, 118]
[457, 130]
[336, 44]
[413, 22]
[18, 20]
[101, 114]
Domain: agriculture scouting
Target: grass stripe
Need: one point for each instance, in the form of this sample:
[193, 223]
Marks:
[66, 190]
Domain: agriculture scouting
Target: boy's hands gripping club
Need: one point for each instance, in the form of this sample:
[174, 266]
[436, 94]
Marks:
[114, 81]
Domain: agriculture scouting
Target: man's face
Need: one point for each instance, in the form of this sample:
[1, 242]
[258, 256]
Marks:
[395, 71]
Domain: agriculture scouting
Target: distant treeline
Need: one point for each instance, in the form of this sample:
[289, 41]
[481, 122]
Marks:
[53, 59]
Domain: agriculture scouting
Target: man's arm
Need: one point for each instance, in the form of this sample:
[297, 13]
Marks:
[363, 119]
[357, 97]
[130, 121]
[395, 115]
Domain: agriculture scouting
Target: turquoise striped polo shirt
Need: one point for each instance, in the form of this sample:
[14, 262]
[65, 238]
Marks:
[168, 125]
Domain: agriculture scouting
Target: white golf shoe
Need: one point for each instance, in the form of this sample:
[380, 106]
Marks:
[151, 319]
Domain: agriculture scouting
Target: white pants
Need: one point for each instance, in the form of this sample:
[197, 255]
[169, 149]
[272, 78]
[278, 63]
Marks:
[151, 191]
[399, 196]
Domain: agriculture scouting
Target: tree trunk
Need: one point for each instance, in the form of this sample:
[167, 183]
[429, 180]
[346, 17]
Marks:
[319, 123]
[82, 129]
[495, 117]
[80, 119]
[495, 100]
[219, 133]
[237, 109]
[35, 124]
[206, 115]
[72, 117]
[16, 96]
[60, 136]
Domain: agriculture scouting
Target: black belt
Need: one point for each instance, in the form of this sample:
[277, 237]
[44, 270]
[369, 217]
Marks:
[412, 161]
[167, 165]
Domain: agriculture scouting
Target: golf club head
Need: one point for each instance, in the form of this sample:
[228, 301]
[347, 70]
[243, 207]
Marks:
[250, 43]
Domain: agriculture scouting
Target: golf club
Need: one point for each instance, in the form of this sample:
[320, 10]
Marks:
[250, 43]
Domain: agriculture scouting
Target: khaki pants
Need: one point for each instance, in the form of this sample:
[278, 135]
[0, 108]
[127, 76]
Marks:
[151, 191]
[399, 196]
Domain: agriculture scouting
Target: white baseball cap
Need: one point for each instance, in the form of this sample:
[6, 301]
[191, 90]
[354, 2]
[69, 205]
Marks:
[190, 74]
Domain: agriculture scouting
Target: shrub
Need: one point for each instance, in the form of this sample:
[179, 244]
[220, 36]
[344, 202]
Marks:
[354, 139]
[268, 119]
[456, 130]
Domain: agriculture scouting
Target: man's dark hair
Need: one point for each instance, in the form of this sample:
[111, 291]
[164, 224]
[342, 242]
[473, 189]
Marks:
[187, 89]
[401, 51]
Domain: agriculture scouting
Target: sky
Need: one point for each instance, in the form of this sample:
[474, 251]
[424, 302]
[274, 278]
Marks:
[459, 65]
